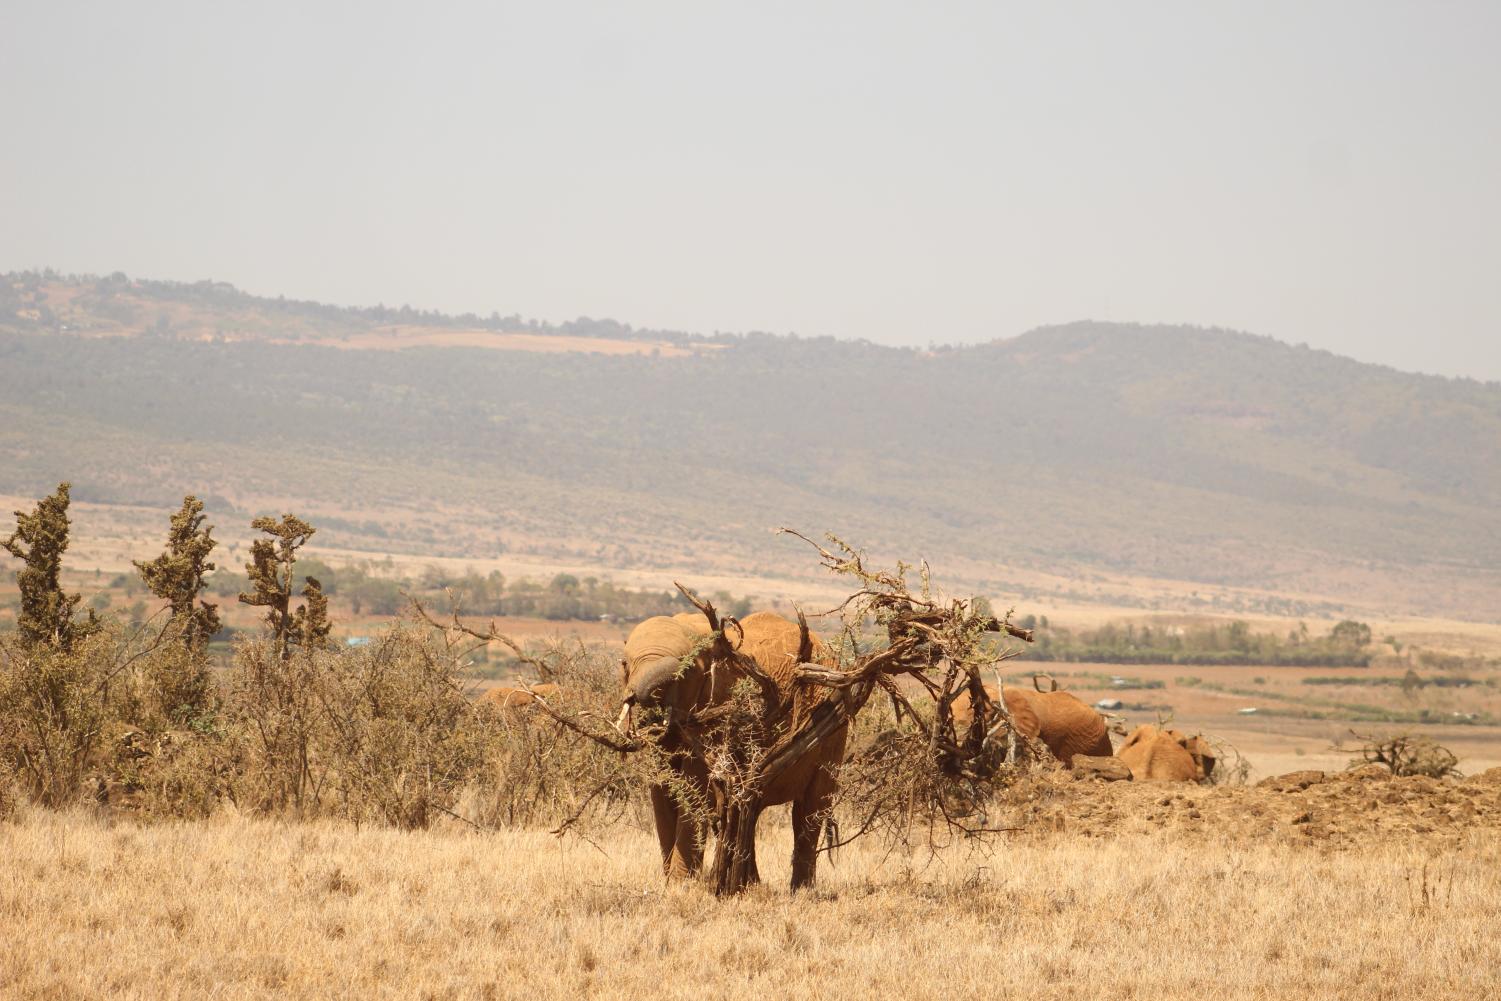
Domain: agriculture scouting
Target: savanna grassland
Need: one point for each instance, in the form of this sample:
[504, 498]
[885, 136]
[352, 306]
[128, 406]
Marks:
[305, 793]
[243, 908]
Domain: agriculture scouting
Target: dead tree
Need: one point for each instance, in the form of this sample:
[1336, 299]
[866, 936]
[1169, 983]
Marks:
[938, 644]
[1405, 754]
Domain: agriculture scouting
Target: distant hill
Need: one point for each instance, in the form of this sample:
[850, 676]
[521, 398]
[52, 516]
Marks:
[1091, 448]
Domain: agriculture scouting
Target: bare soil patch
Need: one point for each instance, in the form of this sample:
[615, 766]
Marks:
[1345, 810]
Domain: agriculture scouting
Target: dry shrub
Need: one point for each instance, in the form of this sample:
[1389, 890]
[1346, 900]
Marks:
[172, 686]
[378, 733]
[56, 709]
[182, 774]
[1231, 767]
[534, 771]
[273, 719]
[383, 733]
[394, 731]
[894, 786]
[125, 717]
[1406, 754]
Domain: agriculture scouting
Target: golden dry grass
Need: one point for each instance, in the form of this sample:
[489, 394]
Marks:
[234, 908]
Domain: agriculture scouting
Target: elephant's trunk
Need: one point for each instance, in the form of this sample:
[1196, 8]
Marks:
[647, 686]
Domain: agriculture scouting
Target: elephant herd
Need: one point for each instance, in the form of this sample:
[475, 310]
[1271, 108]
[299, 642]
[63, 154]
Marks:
[670, 674]
[1069, 728]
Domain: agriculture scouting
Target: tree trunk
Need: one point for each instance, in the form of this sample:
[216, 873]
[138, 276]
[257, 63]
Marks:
[735, 852]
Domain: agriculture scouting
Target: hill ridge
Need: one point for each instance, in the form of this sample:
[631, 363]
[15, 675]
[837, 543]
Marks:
[1174, 453]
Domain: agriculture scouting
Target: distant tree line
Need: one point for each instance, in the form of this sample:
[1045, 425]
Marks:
[371, 589]
[107, 296]
[1230, 644]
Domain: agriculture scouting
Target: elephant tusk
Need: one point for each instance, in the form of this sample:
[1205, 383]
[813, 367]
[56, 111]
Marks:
[623, 722]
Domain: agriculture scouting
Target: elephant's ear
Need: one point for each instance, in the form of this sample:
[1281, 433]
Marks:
[625, 671]
[1022, 712]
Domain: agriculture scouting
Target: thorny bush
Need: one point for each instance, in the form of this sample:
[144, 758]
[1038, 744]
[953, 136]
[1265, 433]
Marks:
[536, 772]
[385, 733]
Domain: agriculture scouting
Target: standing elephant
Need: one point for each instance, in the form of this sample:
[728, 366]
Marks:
[661, 677]
[1064, 724]
[667, 673]
[778, 645]
[1159, 755]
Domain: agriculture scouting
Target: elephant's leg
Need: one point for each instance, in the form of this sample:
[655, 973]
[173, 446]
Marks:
[808, 812]
[665, 814]
[692, 825]
[752, 874]
[688, 848]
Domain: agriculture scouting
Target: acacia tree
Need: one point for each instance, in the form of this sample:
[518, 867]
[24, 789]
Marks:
[938, 644]
[39, 541]
[178, 575]
[271, 567]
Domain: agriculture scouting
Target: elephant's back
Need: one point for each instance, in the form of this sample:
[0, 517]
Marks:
[1153, 754]
[658, 636]
[505, 697]
[694, 622]
[1158, 759]
[1067, 724]
[773, 642]
[1021, 710]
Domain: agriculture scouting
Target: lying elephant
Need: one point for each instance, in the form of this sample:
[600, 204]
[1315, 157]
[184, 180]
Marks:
[661, 676]
[1159, 755]
[1064, 724]
[514, 698]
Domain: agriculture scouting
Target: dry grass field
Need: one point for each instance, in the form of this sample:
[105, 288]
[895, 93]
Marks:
[237, 908]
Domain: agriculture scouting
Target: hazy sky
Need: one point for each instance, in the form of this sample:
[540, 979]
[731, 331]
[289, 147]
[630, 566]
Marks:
[1320, 172]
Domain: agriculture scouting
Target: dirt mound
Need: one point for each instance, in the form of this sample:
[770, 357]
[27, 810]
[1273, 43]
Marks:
[1334, 809]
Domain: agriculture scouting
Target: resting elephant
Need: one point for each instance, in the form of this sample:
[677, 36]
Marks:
[1064, 724]
[1159, 755]
[661, 677]
[1204, 757]
[513, 698]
